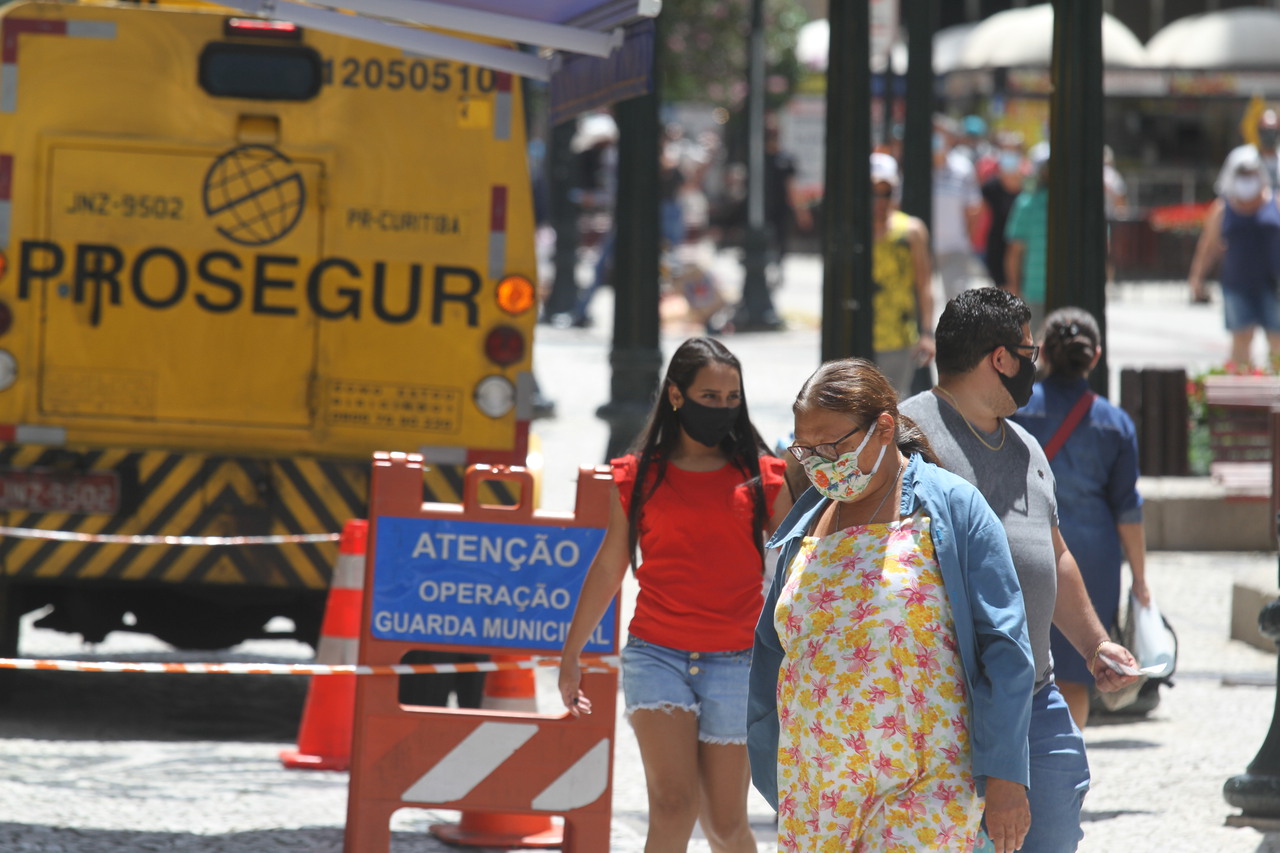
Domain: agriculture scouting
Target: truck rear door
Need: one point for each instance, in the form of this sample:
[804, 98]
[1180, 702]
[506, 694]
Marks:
[144, 321]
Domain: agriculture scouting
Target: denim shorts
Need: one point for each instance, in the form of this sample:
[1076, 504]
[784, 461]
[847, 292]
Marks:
[1248, 310]
[711, 684]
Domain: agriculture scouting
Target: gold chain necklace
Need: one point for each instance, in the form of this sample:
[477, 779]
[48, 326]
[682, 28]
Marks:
[871, 518]
[976, 434]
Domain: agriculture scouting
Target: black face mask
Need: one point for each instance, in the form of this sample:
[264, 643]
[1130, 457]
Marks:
[1267, 137]
[1019, 386]
[707, 424]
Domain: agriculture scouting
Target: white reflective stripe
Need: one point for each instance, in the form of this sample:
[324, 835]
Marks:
[469, 763]
[36, 434]
[525, 388]
[581, 784]
[348, 572]
[444, 455]
[9, 87]
[91, 29]
[501, 114]
[338, 651]
[497, 253]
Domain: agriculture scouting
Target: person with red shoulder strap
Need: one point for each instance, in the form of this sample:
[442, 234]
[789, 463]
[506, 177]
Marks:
[1092, 447]
[697, 496]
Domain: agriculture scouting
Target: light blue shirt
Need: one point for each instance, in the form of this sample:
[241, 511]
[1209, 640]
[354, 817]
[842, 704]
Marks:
[986, 606]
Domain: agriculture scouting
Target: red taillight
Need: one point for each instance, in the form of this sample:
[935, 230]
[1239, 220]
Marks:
[6, 318]
[261, 28]
[504, 345]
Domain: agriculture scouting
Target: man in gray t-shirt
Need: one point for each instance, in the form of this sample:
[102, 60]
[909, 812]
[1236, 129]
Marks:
[1017, 482]
[986, 367]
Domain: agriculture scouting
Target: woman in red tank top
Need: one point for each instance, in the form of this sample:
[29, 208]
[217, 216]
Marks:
[698, 494]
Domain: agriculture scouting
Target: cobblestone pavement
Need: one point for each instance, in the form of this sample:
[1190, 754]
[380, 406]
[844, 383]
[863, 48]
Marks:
[124, 763]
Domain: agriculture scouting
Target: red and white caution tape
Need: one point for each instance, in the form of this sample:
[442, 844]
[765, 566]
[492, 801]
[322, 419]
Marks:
[150, 539]
[608, 663]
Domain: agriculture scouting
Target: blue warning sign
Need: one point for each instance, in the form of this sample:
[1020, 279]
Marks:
[473, 583]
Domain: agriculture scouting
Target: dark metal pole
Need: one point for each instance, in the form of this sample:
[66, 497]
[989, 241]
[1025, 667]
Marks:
[921, 18]
[564, 218]
[1257, 790]
[846, 205]
[756, 311]
[1077, 252]
[635, 358]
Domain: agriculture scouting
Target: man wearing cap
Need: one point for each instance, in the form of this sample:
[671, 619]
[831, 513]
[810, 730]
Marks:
[902, 307]
[1026, 237]
[1243, 230]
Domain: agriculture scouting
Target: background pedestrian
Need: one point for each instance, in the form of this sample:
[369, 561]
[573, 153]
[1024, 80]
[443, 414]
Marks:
[1092, 447]
[1242, 230]
[902, 305]
[957, 203]
[1027, 236]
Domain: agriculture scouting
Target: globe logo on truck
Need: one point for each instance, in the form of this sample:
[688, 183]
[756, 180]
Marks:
[254, 195]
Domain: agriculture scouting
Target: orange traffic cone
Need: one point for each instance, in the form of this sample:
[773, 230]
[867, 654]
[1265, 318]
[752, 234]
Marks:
[504, 690]
[324, 737]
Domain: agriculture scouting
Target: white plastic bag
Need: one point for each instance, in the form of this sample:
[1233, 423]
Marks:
[1153, 642]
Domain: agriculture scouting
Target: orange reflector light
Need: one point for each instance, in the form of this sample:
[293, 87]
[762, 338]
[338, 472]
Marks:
[516, 295]
[504, 345]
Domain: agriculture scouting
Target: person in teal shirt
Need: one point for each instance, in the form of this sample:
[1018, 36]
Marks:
[1027, 236]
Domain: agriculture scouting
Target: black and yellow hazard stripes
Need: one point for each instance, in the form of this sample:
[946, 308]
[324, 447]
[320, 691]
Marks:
[180, 494]
[191, 494]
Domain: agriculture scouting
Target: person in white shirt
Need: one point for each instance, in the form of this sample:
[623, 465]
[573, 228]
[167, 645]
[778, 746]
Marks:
[957, 205]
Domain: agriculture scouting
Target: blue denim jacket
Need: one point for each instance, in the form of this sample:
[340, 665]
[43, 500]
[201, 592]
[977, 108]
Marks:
[986, 606]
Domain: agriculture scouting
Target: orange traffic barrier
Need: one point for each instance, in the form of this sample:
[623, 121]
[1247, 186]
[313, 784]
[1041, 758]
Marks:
[440, 577]
[324, 736]
[505, 690]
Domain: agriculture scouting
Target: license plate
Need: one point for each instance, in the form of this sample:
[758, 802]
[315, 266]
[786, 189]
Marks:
[91, 493]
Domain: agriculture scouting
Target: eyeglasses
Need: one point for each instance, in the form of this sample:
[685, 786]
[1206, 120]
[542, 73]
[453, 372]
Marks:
[825, 451]
[882, 193]
[1033, 355]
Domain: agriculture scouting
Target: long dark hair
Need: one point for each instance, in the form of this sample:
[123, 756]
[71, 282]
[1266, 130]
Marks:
[652, 449]
[856, 387]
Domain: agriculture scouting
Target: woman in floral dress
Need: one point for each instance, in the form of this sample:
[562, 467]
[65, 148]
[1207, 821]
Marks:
[891, 676]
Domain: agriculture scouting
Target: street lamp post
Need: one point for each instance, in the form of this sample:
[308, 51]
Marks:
[635, 358]
[1076, 262]
[1256, 792]
[564, 215]
[755, 311]
[846, 203]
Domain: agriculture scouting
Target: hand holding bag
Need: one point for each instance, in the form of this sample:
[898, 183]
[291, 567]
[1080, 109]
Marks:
[1159, 645]
[1154, 643]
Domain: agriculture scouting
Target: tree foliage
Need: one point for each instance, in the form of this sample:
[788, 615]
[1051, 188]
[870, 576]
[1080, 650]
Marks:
[703, 56]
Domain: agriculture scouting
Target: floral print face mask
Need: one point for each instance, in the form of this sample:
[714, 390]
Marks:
[841, 480]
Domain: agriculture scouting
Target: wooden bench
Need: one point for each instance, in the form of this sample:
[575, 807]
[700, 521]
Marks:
[1238, 410]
